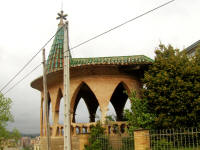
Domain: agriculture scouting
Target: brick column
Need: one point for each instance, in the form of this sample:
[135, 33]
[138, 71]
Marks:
[141, 139]
[83, 140]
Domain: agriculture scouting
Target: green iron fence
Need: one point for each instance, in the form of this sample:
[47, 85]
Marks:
[175, 139]
[116, 142]
[168, 139]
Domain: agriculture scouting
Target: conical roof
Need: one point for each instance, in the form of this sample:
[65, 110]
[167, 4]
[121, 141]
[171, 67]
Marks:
[55, 58]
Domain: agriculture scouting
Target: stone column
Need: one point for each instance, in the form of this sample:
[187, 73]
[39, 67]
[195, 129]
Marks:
[104, 110]
[41, 118]
[141, 139]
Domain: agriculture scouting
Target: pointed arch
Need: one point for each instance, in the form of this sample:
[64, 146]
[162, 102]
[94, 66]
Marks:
[82, 112]
[61, 112]
[111, 113]
[84, 91]
[119, 98]
[127, 104]
[50, 117]
[59, 96]
[57, 106]
[74, 95]
[126, 88]
[98, 114]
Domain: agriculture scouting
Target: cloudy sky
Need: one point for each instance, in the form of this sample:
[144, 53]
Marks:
[27, 24]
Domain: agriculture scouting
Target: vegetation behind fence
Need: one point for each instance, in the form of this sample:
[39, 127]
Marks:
[179, 139]
[116, 142]
[168, 139]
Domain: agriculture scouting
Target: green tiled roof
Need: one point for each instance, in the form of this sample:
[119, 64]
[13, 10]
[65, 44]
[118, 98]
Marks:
[115, 60]
[55, 58]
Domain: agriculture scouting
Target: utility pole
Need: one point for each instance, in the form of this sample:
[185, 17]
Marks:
[67, 114]
[46, 101]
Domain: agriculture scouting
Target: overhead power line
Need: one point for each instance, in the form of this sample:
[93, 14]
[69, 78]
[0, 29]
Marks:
[78, 45]
[22, 79]
[122, 24]
[28, 62]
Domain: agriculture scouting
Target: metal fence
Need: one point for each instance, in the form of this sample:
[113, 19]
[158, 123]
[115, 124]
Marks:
[175, 139]
[169, 139]
[116, 142]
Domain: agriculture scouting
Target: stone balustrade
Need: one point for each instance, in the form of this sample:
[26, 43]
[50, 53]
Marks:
[116, 128]
[111, 128]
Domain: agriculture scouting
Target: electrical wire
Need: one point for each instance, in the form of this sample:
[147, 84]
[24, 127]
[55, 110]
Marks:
[22, 79]
[160, 6]
[78, 45]
[28, 62]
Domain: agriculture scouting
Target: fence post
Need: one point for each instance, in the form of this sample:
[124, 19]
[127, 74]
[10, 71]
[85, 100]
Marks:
[141, 139]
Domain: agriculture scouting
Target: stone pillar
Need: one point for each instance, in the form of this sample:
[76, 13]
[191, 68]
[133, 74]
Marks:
[41, 118]
[142, 139]
[44, 120]
[104, 110]
[60, 131]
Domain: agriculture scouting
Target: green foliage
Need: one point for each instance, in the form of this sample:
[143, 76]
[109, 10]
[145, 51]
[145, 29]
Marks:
[5, 136]
[27, 148]
[15, 135]
[5, 117]
[97, 140]
[161, 144]
[139, 116]
[5, 106]
[127, 143]
[110, 118]
[172, 88]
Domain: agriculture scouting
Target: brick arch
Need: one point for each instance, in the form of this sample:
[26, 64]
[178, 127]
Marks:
[73, 95]
[43, 102]
[75, 92]
[126, 87]
[42, 113]
[59, 96]
[119, 99]
[104, 87]
[49, 100]
[84, 91]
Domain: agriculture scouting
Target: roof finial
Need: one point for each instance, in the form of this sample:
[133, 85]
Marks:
[62, 17]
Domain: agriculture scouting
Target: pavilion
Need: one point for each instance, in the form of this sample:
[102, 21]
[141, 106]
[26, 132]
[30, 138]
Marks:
[98, 80]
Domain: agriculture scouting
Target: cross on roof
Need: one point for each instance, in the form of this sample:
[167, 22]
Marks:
[62, 17]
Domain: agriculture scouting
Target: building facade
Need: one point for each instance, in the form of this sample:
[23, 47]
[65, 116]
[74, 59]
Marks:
[192, 49]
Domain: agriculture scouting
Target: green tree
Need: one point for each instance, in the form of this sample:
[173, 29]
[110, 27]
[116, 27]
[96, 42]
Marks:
[138, 116]
[15, 134]
[4, 136]
[172, 88]
[5, 114]
[5, 117]
[97, 139]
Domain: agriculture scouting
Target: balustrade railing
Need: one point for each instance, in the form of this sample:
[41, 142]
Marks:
[111, 128]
